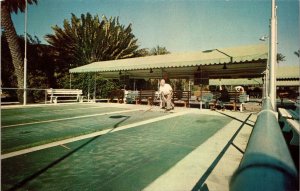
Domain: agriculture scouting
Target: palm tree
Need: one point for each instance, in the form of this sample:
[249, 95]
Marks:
[280, 57]
[7, 7]
[88, 39]
[297, 53]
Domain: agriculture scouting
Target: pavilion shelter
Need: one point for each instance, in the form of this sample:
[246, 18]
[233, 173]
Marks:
[242, 62]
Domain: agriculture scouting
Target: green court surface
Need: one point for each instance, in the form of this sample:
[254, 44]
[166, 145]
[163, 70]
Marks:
[35, 114]
[23, 136]
[129, 159]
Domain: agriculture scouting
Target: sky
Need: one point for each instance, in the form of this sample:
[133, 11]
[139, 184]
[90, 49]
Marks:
[179, 25]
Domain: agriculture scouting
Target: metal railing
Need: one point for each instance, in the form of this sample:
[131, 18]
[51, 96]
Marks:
[267, 163]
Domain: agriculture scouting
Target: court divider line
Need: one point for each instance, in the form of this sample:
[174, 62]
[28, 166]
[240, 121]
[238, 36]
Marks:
[40, 105]
[73, 109]
[68, 118]
[91, 135]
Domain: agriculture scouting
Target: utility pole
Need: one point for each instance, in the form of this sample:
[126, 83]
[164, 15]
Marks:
[273, 55]
[25, 58]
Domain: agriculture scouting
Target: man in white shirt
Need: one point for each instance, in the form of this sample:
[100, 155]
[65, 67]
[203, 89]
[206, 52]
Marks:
[166, 93]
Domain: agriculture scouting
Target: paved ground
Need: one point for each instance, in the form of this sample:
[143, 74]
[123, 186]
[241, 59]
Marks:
[120, 147]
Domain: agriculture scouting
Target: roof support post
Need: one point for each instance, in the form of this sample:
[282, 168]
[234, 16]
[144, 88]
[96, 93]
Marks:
[70, 81]
[95, 87]
[264, 86]
[273, 55]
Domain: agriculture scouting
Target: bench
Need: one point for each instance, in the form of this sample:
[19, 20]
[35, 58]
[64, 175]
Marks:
[234, 100]
[284, 114]
[234, 97]
[146, 96]
[64, 93]
[131, 96]
[181, 97]
[290, 119]
[204, 97]
[294, 126]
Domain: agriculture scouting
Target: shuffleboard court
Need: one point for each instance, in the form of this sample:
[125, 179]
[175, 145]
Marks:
[25, 135]
[129, 159]
[17, 116]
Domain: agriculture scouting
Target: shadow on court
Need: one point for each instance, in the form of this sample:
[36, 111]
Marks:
[119, 117]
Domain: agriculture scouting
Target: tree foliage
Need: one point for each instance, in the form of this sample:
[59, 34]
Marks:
[88, 39]
[17, 5]
[40, 65]
[297, 53]
[159, 50]
[280, 57]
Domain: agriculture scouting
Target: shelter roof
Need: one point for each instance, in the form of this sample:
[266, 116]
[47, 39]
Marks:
[288, 72]
[243, 61]
[239, 81]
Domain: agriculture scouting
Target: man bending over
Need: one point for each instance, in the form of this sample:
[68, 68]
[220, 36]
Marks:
[166, 93]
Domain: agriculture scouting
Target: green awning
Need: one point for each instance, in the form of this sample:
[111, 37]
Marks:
[236, 82]
[288, 72]
[245, 61]
[288, 83]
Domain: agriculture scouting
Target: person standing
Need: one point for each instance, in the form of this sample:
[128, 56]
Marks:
[224, 97]
[166, 92]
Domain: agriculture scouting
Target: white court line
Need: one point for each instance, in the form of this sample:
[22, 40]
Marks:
[63, 119]
[39, 105]
[185, 174]
[98, 133]
[81, 108]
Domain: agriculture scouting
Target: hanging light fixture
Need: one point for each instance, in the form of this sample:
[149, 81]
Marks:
[151, 71]
[120, 73]
[198, 69]
[231, 58]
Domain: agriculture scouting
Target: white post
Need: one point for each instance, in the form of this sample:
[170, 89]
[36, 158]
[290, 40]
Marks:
[70, 80]
[273, 56]
[0, 51]
[201, 95]
[268, 71]
[95, 86]
[264, 86]
[25, 58]
[134, 85]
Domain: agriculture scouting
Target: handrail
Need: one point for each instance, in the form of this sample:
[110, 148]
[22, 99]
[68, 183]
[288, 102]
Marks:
[267, 163]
